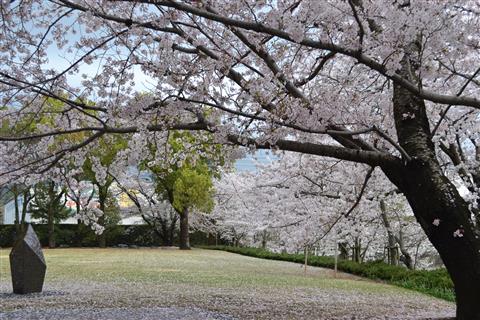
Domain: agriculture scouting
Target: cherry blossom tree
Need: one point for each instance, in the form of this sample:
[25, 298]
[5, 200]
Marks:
[155, 211]
[183, 174]
[392, 85]
[98, 168]
[316, 210]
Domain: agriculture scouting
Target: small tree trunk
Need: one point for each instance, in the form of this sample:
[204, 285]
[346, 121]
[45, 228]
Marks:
[79, 233]
[20, 223]
[102, 198]
[171, 231]
[357, 249]
[18, 233]
[343, 247]
[51, 230]
[184, 236]
[264, 239]
[102, 238]
[406, 258]
[392, 243]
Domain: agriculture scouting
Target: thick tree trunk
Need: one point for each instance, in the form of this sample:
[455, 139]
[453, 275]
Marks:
[454, 237]
[443, 214]
[184, 236]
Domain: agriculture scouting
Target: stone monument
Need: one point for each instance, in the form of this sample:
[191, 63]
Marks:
[27, 264]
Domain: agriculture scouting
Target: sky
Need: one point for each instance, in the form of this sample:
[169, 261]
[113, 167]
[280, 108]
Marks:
[249, 162]
[58, 60]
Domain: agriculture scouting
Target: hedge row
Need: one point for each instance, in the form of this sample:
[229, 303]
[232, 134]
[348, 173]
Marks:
[72, 235]
[436, 283]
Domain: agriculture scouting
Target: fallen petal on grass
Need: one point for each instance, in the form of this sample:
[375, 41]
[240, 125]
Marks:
[131, 284]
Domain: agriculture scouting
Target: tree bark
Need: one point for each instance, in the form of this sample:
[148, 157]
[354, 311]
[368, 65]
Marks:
[433, 196]
[79, 233]
[343, 247]
[102, 237]
[18, 231]
[392, 243]
[51, 230]
[102, 199]
[171, 231]
[20, 223]
[264, 239]
[168, 226]
[184, 236]
[406, 257]
[357, 249]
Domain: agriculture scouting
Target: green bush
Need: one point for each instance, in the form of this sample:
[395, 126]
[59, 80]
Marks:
[74, 235]
[7, 236]
[436, 283]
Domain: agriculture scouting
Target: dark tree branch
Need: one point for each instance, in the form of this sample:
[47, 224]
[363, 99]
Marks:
[360, 57]
[355, 204]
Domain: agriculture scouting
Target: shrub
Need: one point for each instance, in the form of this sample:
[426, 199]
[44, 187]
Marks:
[7, 236]
[74, 235]
[436, 283]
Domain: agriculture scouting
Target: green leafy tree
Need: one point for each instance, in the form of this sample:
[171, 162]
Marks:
[111, 217]
[21, 192]
[48, 205]
[103, 155]
[188, 183]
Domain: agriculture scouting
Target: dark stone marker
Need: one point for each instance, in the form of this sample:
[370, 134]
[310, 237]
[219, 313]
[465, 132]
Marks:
[27, 264]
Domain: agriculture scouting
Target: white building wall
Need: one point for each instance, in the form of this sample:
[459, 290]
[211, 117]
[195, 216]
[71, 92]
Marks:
[9, 212]
[9, 216]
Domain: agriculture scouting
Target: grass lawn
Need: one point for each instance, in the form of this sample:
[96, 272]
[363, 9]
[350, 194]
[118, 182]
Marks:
[229, 284]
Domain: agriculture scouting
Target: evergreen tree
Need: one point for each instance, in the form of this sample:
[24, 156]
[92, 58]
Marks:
[48, 205]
